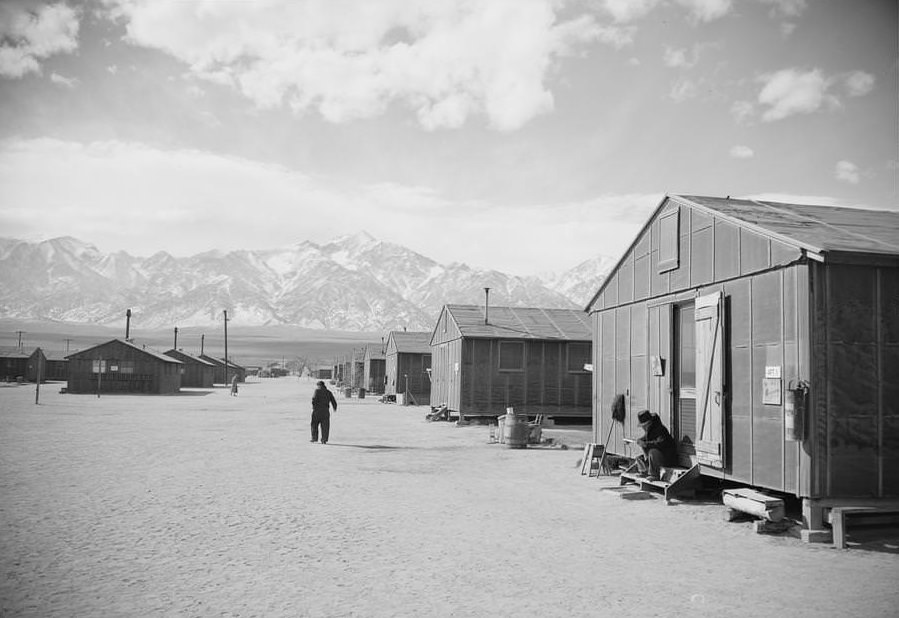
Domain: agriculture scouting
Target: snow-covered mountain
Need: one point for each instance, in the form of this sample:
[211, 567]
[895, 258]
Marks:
[355, 283]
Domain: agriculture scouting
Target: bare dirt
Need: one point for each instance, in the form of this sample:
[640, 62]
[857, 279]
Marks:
[204, 504]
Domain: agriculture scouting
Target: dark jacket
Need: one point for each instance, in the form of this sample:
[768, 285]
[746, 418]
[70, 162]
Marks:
[321, 399]
[658, 437]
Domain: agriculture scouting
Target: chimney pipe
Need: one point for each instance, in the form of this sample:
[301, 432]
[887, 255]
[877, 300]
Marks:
[486, 304]
[176, 338]
[202, 343]
[128, 325]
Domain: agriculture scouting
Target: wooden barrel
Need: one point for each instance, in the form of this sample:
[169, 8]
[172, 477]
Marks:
[515, 431]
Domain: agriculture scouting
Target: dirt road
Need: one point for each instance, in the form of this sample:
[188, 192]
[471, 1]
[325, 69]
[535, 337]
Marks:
[209, 505]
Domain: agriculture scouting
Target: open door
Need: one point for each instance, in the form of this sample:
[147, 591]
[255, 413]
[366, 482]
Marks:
[710, 380]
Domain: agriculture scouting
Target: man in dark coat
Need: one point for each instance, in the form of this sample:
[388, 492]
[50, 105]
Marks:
[322, 402]
[658, 446]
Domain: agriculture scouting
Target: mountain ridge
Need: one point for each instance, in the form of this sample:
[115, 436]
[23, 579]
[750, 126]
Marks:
[352, 283]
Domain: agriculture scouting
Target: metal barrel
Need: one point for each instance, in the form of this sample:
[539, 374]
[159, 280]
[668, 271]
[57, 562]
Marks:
[515, 431]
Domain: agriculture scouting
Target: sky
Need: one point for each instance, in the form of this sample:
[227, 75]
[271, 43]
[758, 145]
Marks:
[525, 136]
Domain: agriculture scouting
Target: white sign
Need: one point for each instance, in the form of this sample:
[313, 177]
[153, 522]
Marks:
[772, 371]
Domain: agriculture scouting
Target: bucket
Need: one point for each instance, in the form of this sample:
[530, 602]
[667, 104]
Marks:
[361, 393]
[515, 430]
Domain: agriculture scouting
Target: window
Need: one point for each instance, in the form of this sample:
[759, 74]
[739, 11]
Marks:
[126, 366]
[686, 361]
[578, 356]
[511, 356]
[669, 240]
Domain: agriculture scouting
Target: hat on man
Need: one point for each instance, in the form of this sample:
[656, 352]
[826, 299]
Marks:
[319, 383]
[644, 417]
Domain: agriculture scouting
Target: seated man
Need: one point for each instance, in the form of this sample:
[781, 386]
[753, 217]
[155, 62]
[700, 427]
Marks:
[658, 446]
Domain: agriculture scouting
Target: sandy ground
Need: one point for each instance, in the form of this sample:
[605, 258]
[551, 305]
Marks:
[210, 505]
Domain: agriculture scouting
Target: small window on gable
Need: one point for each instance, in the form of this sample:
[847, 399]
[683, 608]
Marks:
[578, 355]
[669, 240]
[511, 356]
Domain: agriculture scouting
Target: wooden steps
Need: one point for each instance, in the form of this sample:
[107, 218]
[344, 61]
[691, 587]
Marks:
[674, 482]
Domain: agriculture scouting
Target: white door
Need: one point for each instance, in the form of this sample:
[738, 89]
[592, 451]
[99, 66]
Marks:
[710, 380]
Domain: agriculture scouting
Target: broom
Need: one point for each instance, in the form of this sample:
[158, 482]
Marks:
[618, 414]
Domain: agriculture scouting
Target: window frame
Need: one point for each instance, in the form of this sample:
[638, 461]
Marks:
[499, 356]
[666, 263]
[587, 358]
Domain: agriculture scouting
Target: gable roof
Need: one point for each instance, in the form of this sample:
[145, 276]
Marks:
[411, 343]
[375, 351]
[156, 355]
[184, 356]
[521, 323]
[820, 229]
[220, 362]
[813, 228]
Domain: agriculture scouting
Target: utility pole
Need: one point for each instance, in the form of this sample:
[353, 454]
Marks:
[67, 346]
[226, 346]
[19, 345]
[37, 388]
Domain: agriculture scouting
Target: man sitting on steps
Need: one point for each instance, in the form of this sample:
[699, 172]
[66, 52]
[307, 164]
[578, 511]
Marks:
[658, 446]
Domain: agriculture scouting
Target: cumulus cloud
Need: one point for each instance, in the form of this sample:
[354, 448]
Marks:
[28, 36]
[624, 11]
[121, 195]
[677, 58]
[683, 90]
[445, 60]
[791, 8]
[742, 111]
[706, 10]
[789, 91]
[741, 152]
[859, 83]
[847, 171]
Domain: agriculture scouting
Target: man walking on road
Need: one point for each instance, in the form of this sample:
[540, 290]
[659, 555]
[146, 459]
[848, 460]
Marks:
[322, 401]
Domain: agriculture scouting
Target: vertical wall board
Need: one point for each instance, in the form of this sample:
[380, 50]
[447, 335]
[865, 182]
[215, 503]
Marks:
[738, 303]
[625, 278]
[816, 437]
[622, 332]
[700, 221]
[552, 383]
[889, 305]
[791, 449]
[642, 266]
[534, 371]
[727, 250]
[754, 252]
[739, 443]
[804, 360]
[609, 390]
[854, 427]
[767, 422]
[666, 382]
[790, 300]
[596, 323]
[609, 334]
[658, 282]
[890, 421]
[767, 310]
[653, 349]
[610, 293]
[679, 278]
[623, 386]
[638, 326]
[850, 304]
[782, 253]
[702, 256]
[639, 370]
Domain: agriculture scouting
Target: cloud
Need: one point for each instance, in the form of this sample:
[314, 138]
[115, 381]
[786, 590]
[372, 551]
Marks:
[791, 8]
[447, 61]
[130, 196]
[706, 10]
[677, 58]
[741, 152]
[624, 11]
[28, 36]
[789, 91]
[742, 111]
[68, 82]
[683, 90]
[847, 171]
[859, 83]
